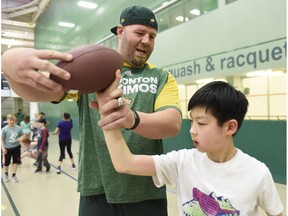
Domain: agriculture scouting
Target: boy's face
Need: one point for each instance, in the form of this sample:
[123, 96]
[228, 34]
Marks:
[206, 134]
[11, 121]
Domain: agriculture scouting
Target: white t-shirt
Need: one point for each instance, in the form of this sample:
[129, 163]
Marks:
[236, 187]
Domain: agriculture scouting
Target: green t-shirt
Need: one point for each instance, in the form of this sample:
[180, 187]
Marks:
[147, 89]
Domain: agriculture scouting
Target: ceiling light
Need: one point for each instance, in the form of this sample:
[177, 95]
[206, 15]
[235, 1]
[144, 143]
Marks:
[204, 81]
[13, 42]
[223, 80]
[86, 4]
[165, 3]
[66, 24]
[195, 12]
[263, 73]
[17, 23]
[180, 18]
[17, 34]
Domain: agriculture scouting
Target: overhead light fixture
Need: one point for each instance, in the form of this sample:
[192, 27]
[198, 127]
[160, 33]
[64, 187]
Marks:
[195, 12]
[86, 4]
[10, 44]
[223, 80]
[17, 34]
[17, 23]
[15, 42]
[165, 3]
[182, 19]
[66, 24]
[263, 73]
[204, 81]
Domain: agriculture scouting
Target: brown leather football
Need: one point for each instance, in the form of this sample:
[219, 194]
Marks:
[92, 69]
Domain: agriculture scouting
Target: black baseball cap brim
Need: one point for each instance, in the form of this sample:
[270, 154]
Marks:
[137, 15]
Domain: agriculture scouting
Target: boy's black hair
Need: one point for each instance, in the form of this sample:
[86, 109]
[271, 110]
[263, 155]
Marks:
[222, 100]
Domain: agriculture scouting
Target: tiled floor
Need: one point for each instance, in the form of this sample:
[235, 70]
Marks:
[49, 194]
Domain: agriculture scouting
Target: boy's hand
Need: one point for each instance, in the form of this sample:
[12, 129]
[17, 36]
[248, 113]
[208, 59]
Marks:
[112, 107]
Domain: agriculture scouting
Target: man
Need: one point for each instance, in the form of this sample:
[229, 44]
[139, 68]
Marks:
[20, 116]
[151, 111]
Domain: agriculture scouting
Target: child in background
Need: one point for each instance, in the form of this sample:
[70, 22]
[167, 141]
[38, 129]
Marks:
[26, 125]
[42, 146]
[11, 148]
[215, 178]
[30, 148]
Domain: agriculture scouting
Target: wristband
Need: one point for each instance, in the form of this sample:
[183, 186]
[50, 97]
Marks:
[137, 120]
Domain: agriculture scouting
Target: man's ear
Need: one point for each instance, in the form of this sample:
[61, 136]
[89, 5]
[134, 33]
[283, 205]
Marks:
[120, 30]
[232, 127]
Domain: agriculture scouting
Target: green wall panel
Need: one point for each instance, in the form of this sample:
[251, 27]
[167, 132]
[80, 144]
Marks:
[264, 140]
[54, 111]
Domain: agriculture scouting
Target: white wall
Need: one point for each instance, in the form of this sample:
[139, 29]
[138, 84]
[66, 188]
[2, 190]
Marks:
[237, 25]
[245, 28]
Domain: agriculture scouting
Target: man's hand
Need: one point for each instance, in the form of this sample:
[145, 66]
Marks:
[22, 65]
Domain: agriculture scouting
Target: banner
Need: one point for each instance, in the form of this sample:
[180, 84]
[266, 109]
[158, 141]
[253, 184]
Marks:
[268, 55]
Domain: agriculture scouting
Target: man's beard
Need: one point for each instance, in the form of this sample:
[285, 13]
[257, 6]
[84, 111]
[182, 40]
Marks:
[139, 62]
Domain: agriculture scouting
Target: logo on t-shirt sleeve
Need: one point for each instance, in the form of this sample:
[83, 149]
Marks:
[210, 205]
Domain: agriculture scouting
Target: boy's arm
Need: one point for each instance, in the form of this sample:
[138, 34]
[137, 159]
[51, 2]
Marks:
[123, 160]
[2, 145]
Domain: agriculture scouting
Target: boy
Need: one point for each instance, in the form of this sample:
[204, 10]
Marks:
[216, 178]
[11, 148]
[42, 146]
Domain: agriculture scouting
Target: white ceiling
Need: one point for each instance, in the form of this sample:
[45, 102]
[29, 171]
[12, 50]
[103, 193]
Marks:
[19, 17]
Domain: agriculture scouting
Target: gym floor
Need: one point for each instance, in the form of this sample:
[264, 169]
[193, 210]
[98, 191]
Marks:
[48, 194]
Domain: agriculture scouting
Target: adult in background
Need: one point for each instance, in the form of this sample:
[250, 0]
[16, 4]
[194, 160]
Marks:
[20, 116]
[64, 128]
[148, 116]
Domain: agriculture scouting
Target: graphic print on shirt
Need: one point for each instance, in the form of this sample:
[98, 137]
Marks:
[132, 84]
[13, 136]
[210, 205]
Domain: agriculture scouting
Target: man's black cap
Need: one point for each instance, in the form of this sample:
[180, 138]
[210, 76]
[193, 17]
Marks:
[137, 15]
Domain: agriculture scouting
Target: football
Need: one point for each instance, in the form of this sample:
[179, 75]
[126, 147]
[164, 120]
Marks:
[92, 69]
